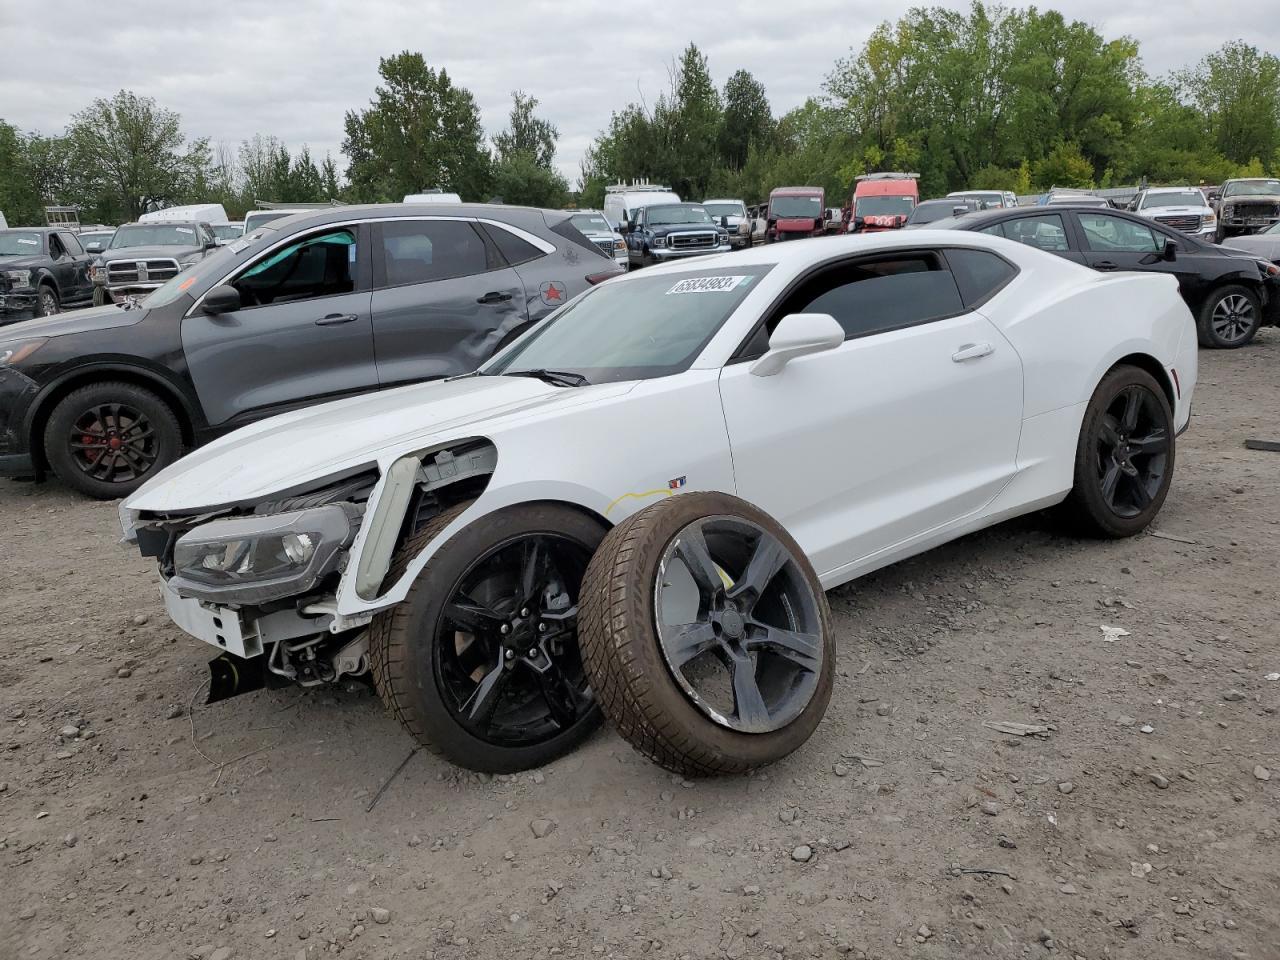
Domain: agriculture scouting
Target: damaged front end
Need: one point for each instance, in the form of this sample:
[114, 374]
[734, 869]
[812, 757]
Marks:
[260, 581]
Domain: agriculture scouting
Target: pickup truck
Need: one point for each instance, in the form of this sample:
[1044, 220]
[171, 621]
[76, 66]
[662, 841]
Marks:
[142, 256]
[42, 270]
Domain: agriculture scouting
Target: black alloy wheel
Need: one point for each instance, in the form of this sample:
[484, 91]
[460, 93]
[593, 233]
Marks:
[1133, 451]
[113, 443]
[1229, 318]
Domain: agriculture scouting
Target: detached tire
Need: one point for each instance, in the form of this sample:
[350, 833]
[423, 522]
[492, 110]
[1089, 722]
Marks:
[1229, 318]
[706, 635]
[107, 439]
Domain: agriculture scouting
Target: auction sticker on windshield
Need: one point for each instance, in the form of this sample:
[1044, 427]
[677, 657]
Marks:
[708, 284]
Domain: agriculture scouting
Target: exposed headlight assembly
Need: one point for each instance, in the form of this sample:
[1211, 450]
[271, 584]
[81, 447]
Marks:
[19, 278]
[252, 560]
[15, 351]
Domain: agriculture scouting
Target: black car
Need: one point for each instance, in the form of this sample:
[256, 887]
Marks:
[1231, 294]
[310, 308]
[930, 212]
[42, 270]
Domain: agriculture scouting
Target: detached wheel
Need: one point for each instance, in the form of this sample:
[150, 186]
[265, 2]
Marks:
[1229, 318]
[1124, 458]
[107, 439]
[706, 635]
[481, 661]
[47, 302]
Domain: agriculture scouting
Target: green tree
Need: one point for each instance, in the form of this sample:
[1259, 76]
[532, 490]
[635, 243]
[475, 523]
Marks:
[1063, 166]
[522, 169]
[687, 120]
[419, 131]
[748, 118]
[130, 154]
[1237, 90]
[20, 198]
[528, 135]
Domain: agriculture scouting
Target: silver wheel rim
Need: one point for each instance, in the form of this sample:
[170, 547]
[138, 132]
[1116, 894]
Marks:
[739, 624]
[1233, 317]
[48, 303]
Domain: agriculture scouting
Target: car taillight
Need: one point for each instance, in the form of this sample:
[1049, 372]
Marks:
[594, 278]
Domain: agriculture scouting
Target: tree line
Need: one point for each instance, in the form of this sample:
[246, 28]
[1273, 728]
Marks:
[985, 98]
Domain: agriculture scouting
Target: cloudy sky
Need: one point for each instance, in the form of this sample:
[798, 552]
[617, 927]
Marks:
[233, 68]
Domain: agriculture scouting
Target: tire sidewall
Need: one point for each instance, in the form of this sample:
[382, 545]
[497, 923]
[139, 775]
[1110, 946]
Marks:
[1207, 335]
[64, 415]
[416, 621]
[47, 291]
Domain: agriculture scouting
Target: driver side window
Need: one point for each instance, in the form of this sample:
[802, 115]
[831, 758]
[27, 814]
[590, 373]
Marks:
[320, 265]
[1102, 232]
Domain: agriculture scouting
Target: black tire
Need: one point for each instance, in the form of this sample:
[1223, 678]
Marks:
[47, 302]
[1134, 501]
[83, 425]
[1229, 318]
[411, 675]
[100, 297]
[630, 670]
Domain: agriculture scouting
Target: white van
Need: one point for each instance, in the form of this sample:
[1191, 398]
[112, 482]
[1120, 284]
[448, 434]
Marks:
[199, 212]
[621, 201]
[432, 196]
[4, 224]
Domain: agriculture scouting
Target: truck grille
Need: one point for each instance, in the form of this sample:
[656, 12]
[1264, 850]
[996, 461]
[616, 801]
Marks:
[691, 241]
[1186, 222]
[141, 271]
[606, 246]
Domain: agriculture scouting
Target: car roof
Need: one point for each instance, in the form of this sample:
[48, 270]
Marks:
[1170, 189]
[517, 216]
[163, 223]
[35, 229]
[725, 200]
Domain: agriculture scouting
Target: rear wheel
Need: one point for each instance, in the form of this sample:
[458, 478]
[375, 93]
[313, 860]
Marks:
[481, 661]
[106, 439]
[1229, 317]
[47, 302]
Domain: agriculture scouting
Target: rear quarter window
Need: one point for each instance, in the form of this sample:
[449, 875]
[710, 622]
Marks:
[979, 274]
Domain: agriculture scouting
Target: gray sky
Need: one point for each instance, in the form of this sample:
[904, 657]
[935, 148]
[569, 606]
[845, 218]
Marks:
[233, 68]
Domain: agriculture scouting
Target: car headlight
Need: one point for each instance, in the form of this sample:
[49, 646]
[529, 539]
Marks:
[722, 237]
[1228, 211]
[19, 278]
[659, 242]
[1209, 219]
[98, 273]
[15, 351]
[619, 245]
[252, 560]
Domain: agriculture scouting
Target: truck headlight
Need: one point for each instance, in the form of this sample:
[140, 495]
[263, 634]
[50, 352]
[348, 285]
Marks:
[1228, 212]
[98, 273]
[619, 246]
[252, 560]
[659, 242]
[19, 278]
[1209, 219]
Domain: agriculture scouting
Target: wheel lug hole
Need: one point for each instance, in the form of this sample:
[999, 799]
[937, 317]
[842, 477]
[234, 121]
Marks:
[524, 611]
[505, 628]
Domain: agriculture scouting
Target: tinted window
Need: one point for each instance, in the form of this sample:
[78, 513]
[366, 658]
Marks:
[421, 251]
[566, 229]
[978, 274]
[878, 295]
[71, 244]
[996, 230]
[320, 265]
[1046, 231]
[1103, 232]
[55, 247]
[513, 249]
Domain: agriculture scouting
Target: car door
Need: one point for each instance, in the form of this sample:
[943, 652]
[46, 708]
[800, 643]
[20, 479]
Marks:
[78, 285]
[303, 333]
[911, 424]
[444, 298]
[1117, 243]
[63, 267]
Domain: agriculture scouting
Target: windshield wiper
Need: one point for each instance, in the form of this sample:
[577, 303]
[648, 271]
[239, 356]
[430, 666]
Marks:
[560, 378]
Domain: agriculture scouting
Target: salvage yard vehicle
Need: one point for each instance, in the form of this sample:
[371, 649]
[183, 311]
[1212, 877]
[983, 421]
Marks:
[317, 306]
[1247, 206]
[623, 202]
[883, 201]
[42, 270]
[1230, 293]
[635, 508]
[796, 213]
[673, 231]
[732, 216]
[96, 240]
[988, 199]
[143, 256]
[929, 212]
[593, 225]
[1264, 245]
[1182, 208]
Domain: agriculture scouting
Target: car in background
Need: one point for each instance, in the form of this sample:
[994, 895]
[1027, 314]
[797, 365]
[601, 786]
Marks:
[1230, 294]
[226, 232]
[931, 211]
[1248, 205]
[732, 216]
[988, 199]
[883, 201]
[673, 231]
[1078, 200]
[599, 231]
[329, 304]
[623, 202]
[1183, 208]
[95, 241]
[42, 270]
[1265, 245]
[435, 195]
[759, 215]
[143, 256]
[210, 213]
[834, 220]
[796, 213]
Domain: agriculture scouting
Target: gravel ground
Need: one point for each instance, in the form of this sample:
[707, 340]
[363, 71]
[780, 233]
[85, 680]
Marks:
[1140, 823]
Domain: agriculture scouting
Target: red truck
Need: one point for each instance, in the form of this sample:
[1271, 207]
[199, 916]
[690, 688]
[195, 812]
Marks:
[883, 201]
[796, 212]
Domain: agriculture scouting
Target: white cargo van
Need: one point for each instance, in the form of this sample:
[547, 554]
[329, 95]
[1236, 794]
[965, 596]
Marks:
[199, 212]
[433, 196]
[621, 201]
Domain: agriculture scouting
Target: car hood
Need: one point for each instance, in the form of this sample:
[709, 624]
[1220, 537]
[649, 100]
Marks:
[662, 230]
[78, 321]
[22, 261]
[298, 448]
[1267, 198]
[1156, 212]
[148, 253]
[1258, 245]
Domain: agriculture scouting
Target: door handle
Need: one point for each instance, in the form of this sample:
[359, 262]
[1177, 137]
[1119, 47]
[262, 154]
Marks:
[1106, 265]
[972, 351]
[493, 296]
[333, 319]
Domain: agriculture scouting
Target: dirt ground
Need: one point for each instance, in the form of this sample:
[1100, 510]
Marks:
[1139, 824]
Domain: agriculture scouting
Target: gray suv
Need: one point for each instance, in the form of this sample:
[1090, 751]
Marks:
[312, 307]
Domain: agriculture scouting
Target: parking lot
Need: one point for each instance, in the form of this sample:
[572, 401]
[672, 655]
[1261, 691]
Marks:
[1138, 822]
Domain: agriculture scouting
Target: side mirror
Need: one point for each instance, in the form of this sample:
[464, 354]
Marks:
[797, 335]
[959, 211]
[629, 226]
[211, 244]
[223, 298]
[94, 247]
[859, 223]
[1170, 251]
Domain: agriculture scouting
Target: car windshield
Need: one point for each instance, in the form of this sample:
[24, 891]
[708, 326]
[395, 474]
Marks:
[256, 219]
[1183, 198]
[227, 231]
[103, 237]
[883, 206]
[1252, 188]
[591, 223]
[930, 212]
[676, 213]
[637, 329]
[807, 207]
[155, 235]
[718, 210]
[19, 243]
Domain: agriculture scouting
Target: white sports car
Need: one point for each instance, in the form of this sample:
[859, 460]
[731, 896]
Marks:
[768, 425]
